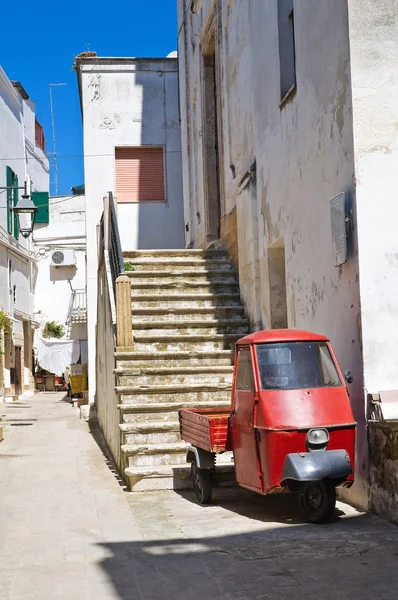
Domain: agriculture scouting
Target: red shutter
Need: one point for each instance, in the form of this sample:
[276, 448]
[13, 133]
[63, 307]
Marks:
[39, 135]
[139, 174]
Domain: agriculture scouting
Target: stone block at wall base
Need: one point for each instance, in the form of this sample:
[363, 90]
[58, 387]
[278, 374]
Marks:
[11, 398]
[88, 412]
[383, 469]
[1, 432]
[78, 402]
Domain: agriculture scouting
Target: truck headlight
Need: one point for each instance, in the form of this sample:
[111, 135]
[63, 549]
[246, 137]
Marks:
[317, 439]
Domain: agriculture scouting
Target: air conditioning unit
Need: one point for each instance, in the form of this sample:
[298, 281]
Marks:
[63, 258]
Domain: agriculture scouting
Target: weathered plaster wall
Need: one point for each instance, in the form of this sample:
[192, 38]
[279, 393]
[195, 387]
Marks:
[304, 157]
[106, 399]
[374, 66]
[132, 102]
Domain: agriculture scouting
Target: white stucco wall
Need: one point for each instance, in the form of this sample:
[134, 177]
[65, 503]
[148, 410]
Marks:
[129, 102]
[37, 161]
[18, 150]
[66, 230]
[304, 157]
[374, 42]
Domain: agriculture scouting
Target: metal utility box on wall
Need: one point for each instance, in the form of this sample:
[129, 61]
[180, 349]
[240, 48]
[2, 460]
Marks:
[63, 258]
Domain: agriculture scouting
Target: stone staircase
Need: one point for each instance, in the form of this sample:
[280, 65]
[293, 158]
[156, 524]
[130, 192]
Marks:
[186, 317]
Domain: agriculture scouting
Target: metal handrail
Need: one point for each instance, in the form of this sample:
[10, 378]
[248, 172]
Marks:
[110, 249]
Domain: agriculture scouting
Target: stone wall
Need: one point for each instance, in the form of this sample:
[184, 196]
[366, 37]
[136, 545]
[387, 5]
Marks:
[383, 469]
[106, 399]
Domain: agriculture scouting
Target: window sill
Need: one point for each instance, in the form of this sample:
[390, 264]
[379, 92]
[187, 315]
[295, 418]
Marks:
[288, 96]
[140, 201]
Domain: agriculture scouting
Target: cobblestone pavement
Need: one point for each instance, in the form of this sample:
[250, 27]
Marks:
[69, 530]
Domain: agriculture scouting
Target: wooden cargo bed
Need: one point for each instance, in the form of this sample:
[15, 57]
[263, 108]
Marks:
[206, 428]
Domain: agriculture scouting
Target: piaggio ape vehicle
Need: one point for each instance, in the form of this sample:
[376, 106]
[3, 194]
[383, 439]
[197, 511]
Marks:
[290, 424]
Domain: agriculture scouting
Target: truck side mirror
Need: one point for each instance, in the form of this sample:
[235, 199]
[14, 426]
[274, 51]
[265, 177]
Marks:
[348, 376]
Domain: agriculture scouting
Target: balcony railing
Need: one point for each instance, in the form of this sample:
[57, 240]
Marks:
[77, 312]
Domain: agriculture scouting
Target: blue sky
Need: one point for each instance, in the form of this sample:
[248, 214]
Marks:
[39, 41]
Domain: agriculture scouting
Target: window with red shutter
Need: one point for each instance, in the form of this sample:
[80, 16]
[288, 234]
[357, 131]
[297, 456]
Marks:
[139, 174]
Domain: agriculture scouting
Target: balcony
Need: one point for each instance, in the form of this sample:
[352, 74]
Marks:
[77, 311]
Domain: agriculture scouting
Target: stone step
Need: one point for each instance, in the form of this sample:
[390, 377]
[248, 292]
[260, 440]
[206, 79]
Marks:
[178, 375]
[174, 392]
[164, 411]
[171, 477]
[139, 360]
[178, 286]
[180, 393]
[185, 300]
[187, 342]
[146, 455]
[189, 275]
[198, 265]
[182, 313]
[151, 432]
[180, 254]
[189, 326]
[161, 477]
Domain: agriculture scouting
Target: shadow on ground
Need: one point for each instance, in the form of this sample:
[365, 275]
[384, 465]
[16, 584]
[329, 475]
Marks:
[101, 443]
[347, 559]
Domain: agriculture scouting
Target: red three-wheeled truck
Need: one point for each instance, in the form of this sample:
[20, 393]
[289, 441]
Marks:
[290, 424]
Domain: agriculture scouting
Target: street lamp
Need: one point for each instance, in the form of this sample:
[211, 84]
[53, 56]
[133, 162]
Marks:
[25, 206]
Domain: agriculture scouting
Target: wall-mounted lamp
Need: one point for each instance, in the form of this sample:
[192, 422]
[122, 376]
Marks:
[25, 206]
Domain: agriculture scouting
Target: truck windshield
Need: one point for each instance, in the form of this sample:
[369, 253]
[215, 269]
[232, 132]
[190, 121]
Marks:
[296, 365]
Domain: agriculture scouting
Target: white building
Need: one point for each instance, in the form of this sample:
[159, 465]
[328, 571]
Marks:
[22, 153]
[60, 248]
[284, 106]
[132, 148]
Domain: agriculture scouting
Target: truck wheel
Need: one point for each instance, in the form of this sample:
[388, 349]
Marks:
[201, 483]
[317, 500]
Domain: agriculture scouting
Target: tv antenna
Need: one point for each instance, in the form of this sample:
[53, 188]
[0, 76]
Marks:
[55, 165]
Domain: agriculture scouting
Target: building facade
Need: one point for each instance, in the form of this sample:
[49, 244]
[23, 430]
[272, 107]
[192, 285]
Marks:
[287, 112]
[132, 147]
[60, 248]
[22, 154]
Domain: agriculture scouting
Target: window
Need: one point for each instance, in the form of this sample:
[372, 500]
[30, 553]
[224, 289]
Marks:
[139, 174]
[287, 51]
[296, 365]
[40, 199]
[12, 199]
[39, 136]
[244, 373]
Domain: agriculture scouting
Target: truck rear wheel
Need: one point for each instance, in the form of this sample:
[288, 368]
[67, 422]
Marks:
[201, 483]
[317, 500]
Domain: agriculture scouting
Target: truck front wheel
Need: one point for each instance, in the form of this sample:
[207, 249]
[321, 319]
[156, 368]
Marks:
[201, 483]
[317, 500]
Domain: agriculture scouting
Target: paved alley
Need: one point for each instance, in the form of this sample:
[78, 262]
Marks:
[69, 530]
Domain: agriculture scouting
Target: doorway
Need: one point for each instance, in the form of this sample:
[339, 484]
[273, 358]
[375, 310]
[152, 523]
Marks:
[277, 284]
[18, 371]
[211, 161]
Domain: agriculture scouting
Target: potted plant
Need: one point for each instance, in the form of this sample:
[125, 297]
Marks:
[53, 329]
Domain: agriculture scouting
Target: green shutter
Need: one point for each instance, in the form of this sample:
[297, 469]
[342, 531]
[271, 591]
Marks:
[40, 199]
[16, 197]
[9, 181]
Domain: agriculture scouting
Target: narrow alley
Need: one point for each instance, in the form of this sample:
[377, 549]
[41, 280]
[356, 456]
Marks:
[69, 529]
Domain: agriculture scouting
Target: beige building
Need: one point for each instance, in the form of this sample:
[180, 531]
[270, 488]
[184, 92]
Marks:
[289, 136]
